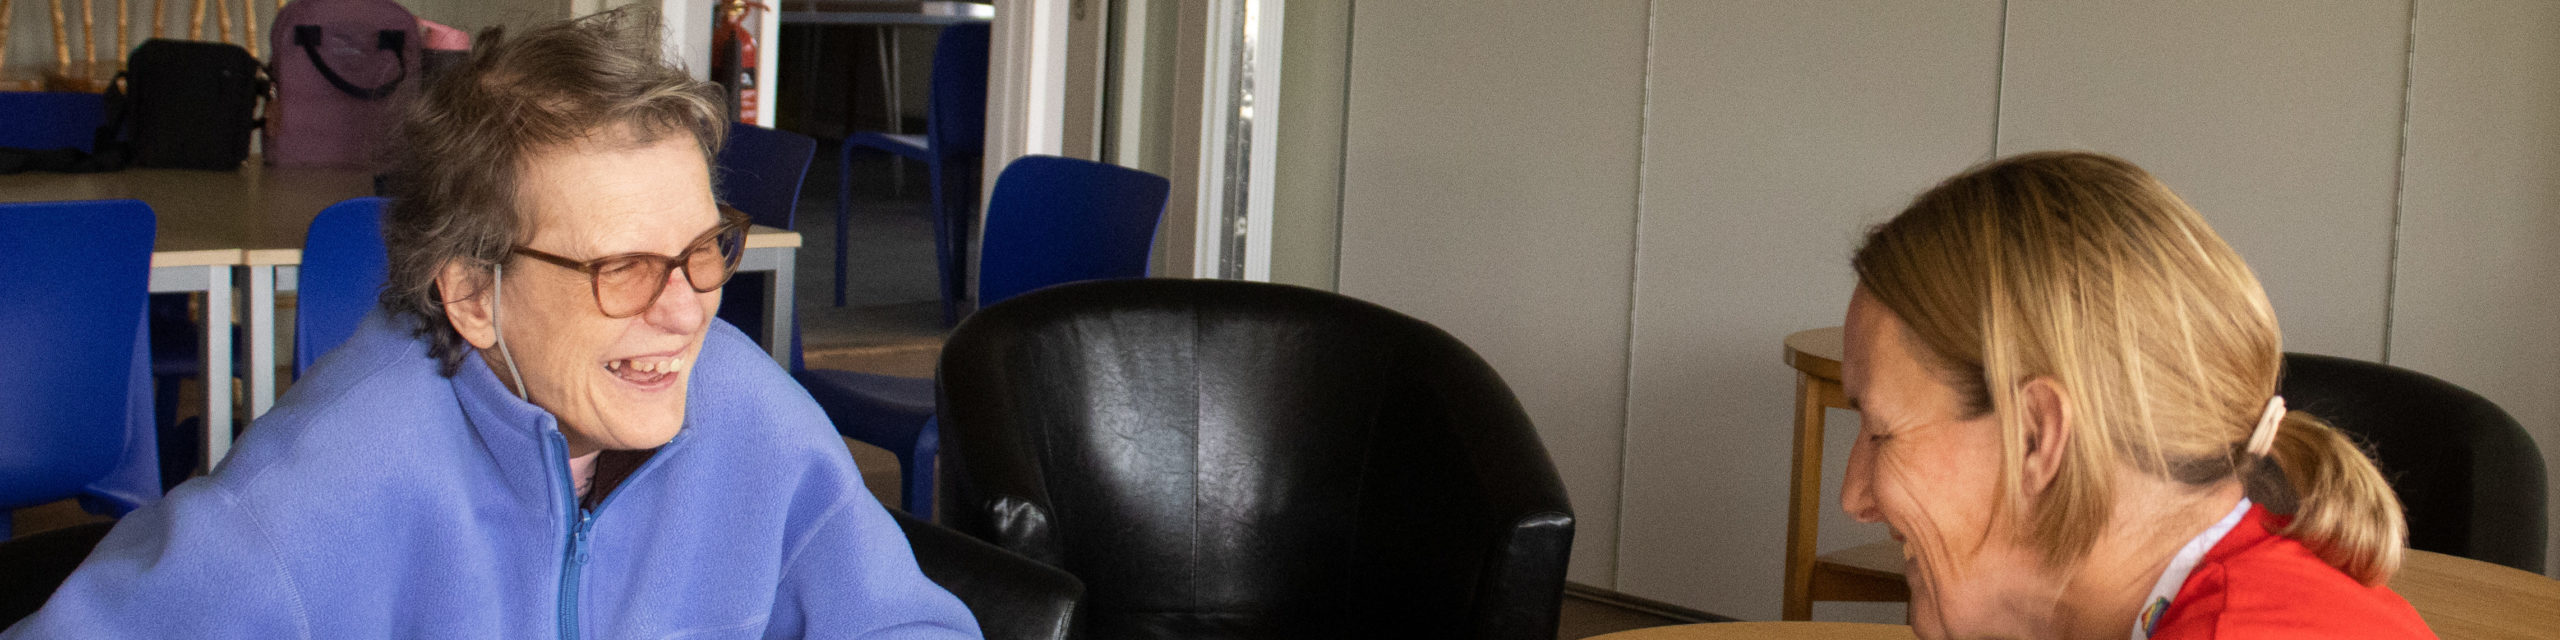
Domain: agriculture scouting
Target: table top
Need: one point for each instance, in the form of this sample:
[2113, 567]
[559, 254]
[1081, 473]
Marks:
[1769, 630]
[254, 216]
[208, 217]
[1816, 352]
[2469, 599]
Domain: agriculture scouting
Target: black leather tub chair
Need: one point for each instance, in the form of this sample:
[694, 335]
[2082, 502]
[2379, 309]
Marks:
[1219, 459]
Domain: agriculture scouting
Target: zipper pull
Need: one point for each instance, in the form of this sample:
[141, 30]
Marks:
[586, 520]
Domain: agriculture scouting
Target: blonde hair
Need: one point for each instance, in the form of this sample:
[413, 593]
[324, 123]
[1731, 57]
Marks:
[2083, 268]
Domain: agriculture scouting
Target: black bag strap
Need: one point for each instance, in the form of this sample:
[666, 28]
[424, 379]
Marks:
[308, 37]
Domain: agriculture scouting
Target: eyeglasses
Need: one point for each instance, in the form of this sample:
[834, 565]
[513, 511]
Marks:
[627, 284]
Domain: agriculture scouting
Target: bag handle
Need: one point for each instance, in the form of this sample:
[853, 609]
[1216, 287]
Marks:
[308, 36]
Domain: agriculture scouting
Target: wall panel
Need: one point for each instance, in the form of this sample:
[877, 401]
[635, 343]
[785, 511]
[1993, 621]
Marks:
[1489, 182]
[2478, 294]
[1775, 134]
[2279, 120]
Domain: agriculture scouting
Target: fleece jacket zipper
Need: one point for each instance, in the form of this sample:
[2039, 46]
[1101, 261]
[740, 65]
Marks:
[573, 561]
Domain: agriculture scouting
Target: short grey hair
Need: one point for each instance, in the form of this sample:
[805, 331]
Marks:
[464, 142]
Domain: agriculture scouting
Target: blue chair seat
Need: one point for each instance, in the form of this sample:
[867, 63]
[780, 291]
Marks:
[906, 145]
[890, 412]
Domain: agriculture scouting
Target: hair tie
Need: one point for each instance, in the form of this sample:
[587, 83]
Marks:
[2263, 439]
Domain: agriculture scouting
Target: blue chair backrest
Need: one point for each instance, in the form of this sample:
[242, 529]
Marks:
[956, 110]
[343, 266]
[1056, 220]
[50, 119]
[761, 170]
[70, 310]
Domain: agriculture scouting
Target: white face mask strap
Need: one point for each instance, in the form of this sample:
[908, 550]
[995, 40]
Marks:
[498, 300]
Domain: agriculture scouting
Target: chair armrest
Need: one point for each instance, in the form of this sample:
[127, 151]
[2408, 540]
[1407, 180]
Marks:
[991, 481]
[1522, 584]
[1013, 597]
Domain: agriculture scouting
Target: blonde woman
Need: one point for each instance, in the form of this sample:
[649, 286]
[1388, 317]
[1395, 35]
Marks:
[2067, 388]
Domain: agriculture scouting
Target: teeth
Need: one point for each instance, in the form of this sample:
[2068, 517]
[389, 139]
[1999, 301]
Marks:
[669, 365]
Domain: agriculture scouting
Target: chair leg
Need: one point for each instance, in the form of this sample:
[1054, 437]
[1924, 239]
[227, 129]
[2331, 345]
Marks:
[915, 491]
[844, 212]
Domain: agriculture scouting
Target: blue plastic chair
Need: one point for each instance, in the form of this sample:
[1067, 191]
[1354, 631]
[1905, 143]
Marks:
[51, 119]
[953, 145]
[343, 267]
[70, 333]
[761, 171]
[1052, 221]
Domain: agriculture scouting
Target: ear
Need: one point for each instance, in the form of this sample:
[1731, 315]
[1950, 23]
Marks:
[2048, 422]
[469, 311]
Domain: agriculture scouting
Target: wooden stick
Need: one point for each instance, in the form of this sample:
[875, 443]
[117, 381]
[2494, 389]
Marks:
[124, 28]
[249, 25]
[88, 38]
[159, 19]
[4, 32]
[222, 15]
[196, 31]
[61, 42]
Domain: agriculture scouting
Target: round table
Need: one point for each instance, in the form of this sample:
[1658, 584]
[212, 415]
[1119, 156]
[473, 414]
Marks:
[1769, 631]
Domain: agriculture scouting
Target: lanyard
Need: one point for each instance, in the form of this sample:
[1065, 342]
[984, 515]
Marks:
[2179, 567]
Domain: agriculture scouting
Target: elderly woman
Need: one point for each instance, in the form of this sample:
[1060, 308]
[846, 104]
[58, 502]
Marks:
[544, 433]
[2067, 389]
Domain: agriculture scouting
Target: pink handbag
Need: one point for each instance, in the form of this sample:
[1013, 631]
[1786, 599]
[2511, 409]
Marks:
[342, 69]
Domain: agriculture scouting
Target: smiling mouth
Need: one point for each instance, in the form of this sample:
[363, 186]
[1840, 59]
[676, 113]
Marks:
[646, 371]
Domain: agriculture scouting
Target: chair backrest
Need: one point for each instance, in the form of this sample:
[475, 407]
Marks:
[761, 170]
[956, 108]
[2467, 473]
[343, 267]
[51, 119]
[1235, 459]
[1056, 220]
[77, 273]
[956, 136]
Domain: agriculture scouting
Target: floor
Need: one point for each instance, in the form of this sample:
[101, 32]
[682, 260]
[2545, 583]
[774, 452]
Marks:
[891, 324]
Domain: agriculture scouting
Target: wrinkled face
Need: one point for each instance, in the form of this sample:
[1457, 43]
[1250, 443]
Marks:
[614, 383]
[1932, 473]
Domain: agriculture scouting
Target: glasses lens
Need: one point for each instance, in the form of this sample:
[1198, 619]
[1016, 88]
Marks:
[711, 262]
[625, 286]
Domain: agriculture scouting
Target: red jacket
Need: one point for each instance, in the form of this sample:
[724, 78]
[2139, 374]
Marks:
[2256, 584]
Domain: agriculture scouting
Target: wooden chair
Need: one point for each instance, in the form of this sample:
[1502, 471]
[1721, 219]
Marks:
[87, 74]
[1865, 573]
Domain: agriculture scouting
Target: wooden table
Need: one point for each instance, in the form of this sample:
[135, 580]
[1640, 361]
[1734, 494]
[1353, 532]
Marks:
[1768, 631]
[217, 228]
[2466, 599]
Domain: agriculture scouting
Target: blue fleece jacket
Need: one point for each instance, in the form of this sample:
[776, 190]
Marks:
[380, 499]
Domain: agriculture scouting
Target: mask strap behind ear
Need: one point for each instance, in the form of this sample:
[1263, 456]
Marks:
[498, 300]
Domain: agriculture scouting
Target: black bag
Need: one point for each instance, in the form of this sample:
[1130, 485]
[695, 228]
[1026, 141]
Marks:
[186, 105]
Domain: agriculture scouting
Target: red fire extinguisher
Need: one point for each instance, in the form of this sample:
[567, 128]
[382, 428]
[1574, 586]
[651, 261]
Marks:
[733, 55]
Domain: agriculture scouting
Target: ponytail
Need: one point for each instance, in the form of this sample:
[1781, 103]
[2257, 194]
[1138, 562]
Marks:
[2343, 510]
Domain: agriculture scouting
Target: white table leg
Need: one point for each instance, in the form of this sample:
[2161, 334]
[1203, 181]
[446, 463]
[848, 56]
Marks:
[217, 366]
[779, 318]
[262, 339]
